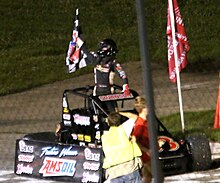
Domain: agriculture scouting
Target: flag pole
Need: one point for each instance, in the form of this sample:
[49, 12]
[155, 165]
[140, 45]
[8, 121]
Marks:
[148, 88]
[176, 62]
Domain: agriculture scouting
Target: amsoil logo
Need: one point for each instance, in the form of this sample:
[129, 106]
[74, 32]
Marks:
[57, 167]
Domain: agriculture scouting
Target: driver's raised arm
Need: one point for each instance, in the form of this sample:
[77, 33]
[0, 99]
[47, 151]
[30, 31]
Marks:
[120, 71]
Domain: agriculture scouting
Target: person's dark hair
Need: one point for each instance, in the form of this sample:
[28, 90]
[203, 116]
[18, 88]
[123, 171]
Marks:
[114, 119]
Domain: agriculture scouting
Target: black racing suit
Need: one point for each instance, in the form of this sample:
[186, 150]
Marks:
[103, 67]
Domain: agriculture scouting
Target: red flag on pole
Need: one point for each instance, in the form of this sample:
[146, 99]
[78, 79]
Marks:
[217, 112]
[181, 41]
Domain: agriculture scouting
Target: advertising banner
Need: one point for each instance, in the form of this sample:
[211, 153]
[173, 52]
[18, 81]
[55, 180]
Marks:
[50, 160]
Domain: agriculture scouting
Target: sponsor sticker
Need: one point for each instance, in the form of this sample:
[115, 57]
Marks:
[91, 166]
[90, 177]
[91, 145]
[87, 138]
[82, 143]
[98, 135]
[114, 97]
[65, 109]
[25, 148]
[49, 151]
[89, 155]
[57, 167]
[74, 136]
[67, 123]
[81, 120]
[68, 152]
[26, 158]
[21, 168]
[81, 137]
[163, 139]
[66, 116]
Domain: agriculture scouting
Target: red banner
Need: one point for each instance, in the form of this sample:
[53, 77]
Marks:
[181, 41]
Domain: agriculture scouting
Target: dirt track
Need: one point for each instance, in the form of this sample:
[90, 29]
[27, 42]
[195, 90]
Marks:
[39, 109]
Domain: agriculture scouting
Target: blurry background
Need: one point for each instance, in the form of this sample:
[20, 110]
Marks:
[34, 38]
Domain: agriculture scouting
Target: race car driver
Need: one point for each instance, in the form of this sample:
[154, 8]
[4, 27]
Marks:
[105, 68]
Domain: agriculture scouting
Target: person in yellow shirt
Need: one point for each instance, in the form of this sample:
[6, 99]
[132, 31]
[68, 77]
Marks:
[140, 132]
[122, 161]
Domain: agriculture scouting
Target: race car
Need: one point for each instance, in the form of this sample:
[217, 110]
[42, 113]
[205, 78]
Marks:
[74, 151]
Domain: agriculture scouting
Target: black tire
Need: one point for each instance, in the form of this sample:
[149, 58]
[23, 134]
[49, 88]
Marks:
[42, 136]
[200, 153]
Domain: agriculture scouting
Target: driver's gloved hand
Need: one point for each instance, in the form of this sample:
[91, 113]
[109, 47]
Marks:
[126, 90]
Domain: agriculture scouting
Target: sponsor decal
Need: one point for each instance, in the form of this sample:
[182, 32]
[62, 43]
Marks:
[91, 145]
[87, 138]
[163, 139]
[95, 118]
[90, 177]
[74, 136]
[21, 168]
[82, 143]
[97, 126]
[102, 69]
[66, 116]
[26, 158]
[54, 151]
[57, 167]
[65, 105]
[81, 137]
[91, 156]
[81, 120]
[98, 135]
[67, 123]
[49, 151]
[114, 97]
[91, 166]
[66, 110]
[68, 152]
[25, 148]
